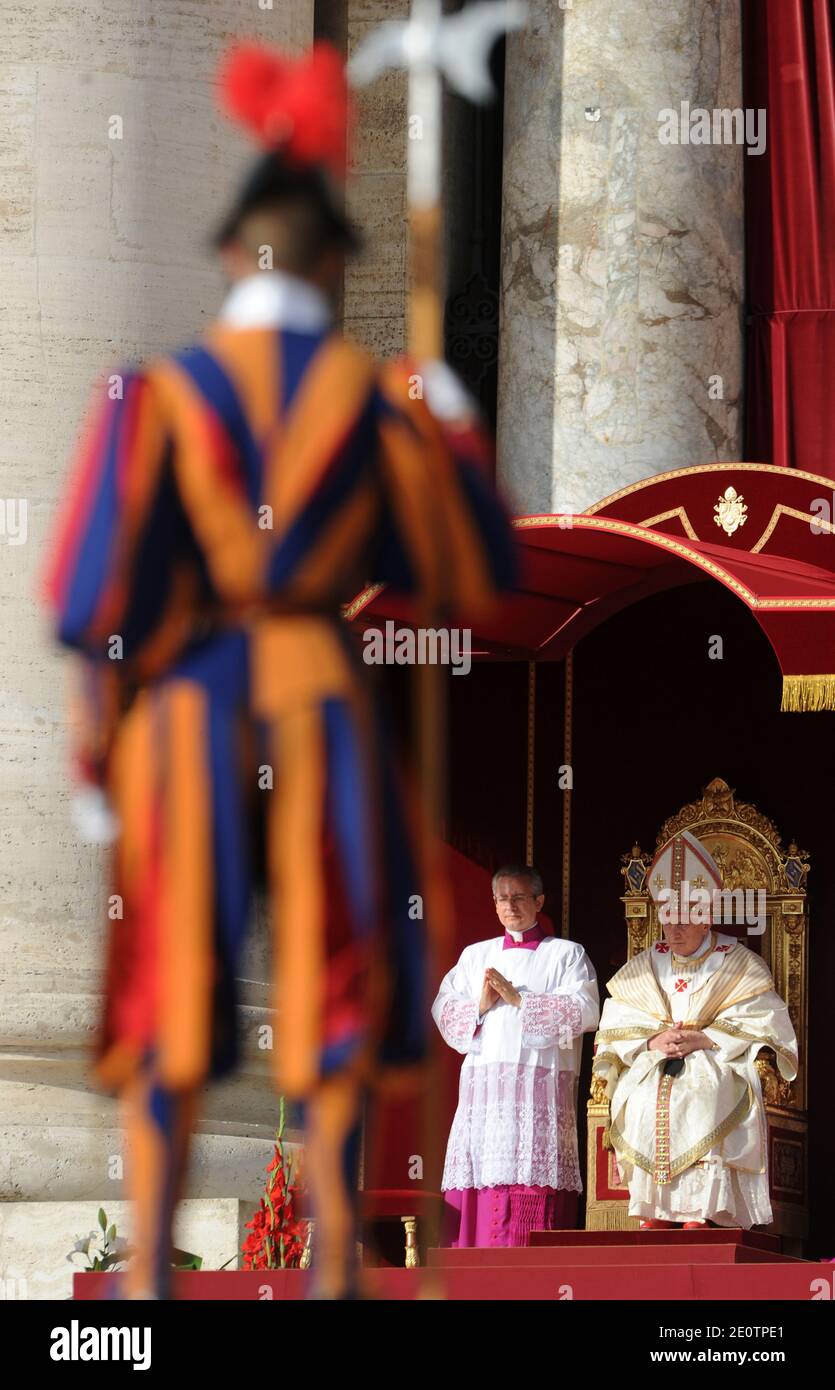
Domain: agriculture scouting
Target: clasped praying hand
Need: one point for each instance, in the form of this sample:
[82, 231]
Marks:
[680, 1042]
[496, 987]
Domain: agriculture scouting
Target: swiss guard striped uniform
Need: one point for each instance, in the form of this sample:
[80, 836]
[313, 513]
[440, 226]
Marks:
[226, 504]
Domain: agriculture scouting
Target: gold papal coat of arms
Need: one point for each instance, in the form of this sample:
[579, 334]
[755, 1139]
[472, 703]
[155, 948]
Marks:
[730, 511]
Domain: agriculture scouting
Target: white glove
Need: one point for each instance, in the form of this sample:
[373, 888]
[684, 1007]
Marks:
[445, 394]
[92, 816]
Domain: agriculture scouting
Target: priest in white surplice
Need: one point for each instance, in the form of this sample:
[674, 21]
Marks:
[517, 1007]
[676, 1049]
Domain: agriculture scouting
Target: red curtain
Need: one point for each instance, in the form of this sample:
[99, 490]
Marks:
[790, 234]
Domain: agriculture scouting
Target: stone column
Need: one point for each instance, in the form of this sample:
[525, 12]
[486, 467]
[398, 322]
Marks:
[621, 345]
[113, 168]
[376, 283]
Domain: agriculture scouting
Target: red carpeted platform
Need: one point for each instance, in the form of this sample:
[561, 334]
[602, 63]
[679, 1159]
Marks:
[704, 1239]
[561, 1265]
[627, 1248]
[628, 1257]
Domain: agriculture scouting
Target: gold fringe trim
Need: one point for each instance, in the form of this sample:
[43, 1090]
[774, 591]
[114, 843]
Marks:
[688, 1159]
[609, 1059]
[632, 1034]
[802, 694]
[735, 1032]
[613, 1218]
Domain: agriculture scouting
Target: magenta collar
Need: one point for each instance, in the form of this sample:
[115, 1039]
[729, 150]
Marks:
[530, 939]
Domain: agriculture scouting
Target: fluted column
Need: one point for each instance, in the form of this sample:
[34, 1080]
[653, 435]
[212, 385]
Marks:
[621, 345]
[114, 167]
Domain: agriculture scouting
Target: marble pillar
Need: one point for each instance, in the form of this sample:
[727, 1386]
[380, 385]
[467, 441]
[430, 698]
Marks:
[622, 255]
[114, 166]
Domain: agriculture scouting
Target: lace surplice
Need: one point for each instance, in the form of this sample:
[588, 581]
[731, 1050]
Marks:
[516, 1116]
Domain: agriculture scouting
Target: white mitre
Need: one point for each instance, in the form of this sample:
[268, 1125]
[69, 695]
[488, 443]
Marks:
[683, 859]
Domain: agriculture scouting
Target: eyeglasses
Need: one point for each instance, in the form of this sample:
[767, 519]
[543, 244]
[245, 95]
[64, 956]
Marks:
[514, 899]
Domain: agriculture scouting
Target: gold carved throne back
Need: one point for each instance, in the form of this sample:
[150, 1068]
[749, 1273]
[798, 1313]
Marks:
[749, 852]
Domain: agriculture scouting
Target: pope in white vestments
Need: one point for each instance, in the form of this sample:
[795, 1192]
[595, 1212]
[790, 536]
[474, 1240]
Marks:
[516, 1006]
[676, 1048]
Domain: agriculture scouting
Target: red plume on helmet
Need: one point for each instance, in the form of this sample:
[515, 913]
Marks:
[296, 106]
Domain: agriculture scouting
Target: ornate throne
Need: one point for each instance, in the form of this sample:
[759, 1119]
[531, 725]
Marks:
[750, 855]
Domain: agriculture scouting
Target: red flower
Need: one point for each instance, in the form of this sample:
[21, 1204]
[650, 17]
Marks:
[278, 1236]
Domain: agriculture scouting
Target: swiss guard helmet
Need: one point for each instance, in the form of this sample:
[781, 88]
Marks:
[298, 110]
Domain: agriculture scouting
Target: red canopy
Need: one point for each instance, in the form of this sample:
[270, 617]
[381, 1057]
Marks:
[764, 532]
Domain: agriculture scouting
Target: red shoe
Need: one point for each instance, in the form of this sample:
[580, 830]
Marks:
[657, 1225]
[694, 1226]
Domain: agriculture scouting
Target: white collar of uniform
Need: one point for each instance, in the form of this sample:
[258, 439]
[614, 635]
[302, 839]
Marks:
[274, 299]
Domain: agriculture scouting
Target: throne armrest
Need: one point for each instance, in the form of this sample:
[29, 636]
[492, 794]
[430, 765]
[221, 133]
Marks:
[776, 1091]
[598, 1108]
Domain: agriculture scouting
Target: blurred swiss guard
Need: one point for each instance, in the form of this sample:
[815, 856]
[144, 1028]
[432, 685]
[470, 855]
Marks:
[227, 501]
[678, 1038]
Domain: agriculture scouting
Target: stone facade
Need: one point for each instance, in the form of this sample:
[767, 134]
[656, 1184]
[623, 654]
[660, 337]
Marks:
[37, 1248]
[376, 283]
[622, 256]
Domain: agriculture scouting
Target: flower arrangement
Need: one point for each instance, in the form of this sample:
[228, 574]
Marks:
[106, 1250]
[278, 1233]
[103, 1249]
